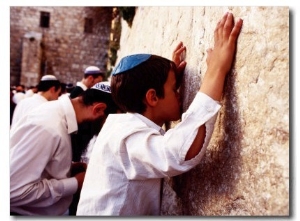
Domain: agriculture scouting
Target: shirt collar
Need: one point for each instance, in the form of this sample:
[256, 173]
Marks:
[38, 95]
[82, 85]
[150, 123]
[69, 113]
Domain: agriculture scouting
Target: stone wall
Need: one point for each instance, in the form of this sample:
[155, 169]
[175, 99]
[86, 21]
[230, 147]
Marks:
[246, 168]
[31, 58]
[66, 49]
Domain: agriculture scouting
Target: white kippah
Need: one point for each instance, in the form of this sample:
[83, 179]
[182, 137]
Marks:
[93, 70]
[102, 86]
[49, 78]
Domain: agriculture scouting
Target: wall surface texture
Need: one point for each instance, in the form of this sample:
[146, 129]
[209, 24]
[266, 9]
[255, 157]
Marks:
[246, 167]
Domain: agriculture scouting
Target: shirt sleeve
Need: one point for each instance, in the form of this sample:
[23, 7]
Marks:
[149, 155]
[31, 149]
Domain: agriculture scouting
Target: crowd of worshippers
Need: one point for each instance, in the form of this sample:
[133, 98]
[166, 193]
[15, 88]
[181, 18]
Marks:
[41, 90]
[102, 149]
[72, 118]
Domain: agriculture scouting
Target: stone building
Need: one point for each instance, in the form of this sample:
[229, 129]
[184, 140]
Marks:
[61, 41]
[245, 171]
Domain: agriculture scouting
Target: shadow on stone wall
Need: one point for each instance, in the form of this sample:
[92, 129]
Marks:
[214, 179]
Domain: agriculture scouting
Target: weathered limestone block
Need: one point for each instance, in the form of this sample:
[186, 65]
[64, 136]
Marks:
[246, 168]
[31, 58]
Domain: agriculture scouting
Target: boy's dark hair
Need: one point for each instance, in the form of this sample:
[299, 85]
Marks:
[46, 85]
[91, 96]
[129, 88]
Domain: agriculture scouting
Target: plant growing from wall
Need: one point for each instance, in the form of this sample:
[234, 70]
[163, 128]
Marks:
[114, 43]
[127, 14]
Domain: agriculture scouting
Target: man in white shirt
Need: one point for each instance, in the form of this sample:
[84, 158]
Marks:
[43, 179]
[92, 76]
[48, 89]
[132, 153]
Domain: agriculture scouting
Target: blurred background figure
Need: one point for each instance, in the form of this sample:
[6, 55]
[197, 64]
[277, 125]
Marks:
[92, 76]
[19, 94]
[31, 91]
[49, 89]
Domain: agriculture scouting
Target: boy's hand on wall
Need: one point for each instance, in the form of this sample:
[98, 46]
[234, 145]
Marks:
[178, 57]
[220, 58]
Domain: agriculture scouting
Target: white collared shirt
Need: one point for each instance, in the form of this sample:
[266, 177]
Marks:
[26, 105]
[40, 160]
[130, 157]
[85, 157]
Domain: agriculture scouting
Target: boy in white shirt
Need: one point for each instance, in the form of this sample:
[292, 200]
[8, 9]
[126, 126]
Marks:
[132, 153]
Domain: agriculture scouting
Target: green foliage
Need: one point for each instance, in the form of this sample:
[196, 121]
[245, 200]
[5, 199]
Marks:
[127, 14]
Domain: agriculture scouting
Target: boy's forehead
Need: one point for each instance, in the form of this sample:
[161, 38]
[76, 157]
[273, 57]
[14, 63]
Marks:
[130, 62]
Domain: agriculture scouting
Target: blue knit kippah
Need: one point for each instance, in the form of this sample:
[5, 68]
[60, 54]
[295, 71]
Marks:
[130, 62]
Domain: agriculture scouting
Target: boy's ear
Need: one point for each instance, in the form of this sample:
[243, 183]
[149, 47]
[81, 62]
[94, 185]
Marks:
[99, 109]
[151, 98]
